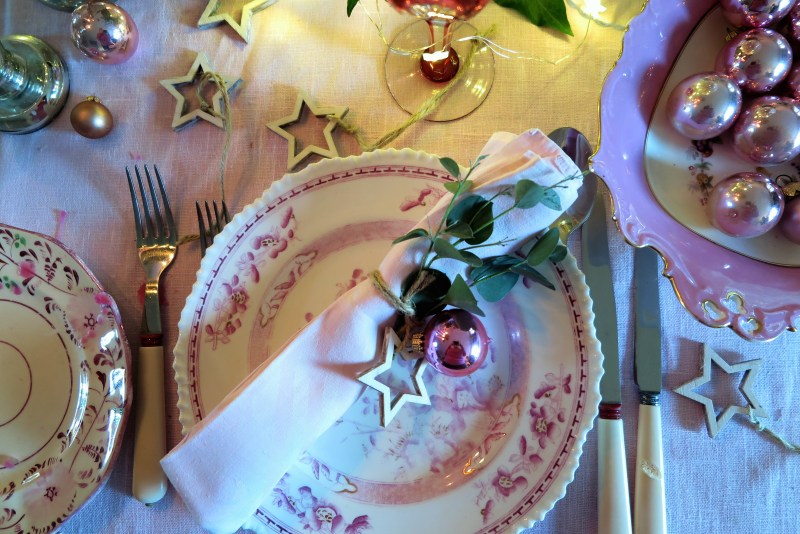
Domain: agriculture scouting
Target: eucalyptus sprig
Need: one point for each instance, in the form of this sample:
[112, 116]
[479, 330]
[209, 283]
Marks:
[467, 226]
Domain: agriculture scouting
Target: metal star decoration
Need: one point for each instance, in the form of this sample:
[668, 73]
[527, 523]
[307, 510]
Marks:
[212, 16]
[391, 404]
[183, 117]
[749, 368]
[278, 126]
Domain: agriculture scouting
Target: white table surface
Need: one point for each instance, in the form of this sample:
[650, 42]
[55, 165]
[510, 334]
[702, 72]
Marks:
[739, 482]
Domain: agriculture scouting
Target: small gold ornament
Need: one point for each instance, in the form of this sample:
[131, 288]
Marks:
[91, 118]
[792, 189]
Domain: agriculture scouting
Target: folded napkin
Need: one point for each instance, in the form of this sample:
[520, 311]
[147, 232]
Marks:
[227, 465]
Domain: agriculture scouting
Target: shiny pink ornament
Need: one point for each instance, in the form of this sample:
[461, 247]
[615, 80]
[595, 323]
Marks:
[793, 82]
[704, 105]
[790, 27]
[768, 130]
[455, 342]
[747, 204]
[104, 32]
[754, 13]
[790, 221]
[757, 59]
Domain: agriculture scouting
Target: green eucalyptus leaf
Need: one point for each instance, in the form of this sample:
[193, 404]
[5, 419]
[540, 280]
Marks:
[542, 249]
[494, 288]
[527, 194]
[460, 230]
[351, 5]
[475, 211]
[558, 254]
[549, 13]
[430, 299]
[493, 266]
[451, 166]
[413, 234]
[460, 296]
[453, 187]
[551, 200]
[532, 274]
[445, 249]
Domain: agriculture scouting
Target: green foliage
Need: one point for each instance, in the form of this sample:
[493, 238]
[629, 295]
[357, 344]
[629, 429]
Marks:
[467, 225]
[548, 13]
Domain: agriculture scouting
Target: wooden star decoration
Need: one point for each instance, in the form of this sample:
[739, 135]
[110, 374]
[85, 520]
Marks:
[184, 117]
[716, 422]
[391, 404]
[212, 16]
[278, 126]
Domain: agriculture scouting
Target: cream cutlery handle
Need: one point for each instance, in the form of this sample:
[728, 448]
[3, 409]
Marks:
[613, 500]
[149, 446]
[650, 515]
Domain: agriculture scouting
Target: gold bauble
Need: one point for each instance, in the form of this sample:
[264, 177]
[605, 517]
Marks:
[91, 118]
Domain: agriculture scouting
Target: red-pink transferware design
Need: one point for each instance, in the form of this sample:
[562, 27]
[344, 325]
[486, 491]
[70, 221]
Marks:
[64, 387]
[721, 288]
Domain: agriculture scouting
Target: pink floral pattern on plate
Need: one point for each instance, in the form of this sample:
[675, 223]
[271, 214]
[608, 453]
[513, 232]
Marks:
[64, 388]
[720, 287]
[503, 443]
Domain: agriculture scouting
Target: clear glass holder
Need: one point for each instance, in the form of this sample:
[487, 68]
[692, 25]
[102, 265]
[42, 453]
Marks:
[34, 84]
[411, 89]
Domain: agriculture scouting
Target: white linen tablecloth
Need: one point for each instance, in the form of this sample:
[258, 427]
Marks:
[739, 482]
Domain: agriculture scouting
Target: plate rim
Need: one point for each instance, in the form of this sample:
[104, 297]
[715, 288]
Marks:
[128, 366]
[715, 294]
[411, 157]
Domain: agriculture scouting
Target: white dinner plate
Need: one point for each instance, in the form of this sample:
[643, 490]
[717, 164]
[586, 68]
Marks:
[494, 451]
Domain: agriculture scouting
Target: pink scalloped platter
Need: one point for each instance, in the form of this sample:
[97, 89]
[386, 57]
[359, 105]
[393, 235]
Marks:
[500, 445]
[64, 388]
[660, 181]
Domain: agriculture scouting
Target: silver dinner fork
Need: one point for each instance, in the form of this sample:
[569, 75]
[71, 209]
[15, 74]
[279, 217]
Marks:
[215, 223]
[156, 240]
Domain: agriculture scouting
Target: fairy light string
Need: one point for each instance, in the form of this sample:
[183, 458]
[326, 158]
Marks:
[225, 117]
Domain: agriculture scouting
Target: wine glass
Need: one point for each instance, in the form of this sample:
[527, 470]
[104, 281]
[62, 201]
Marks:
[429, 54]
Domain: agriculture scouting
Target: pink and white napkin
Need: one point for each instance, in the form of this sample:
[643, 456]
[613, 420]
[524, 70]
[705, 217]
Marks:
[227, 465]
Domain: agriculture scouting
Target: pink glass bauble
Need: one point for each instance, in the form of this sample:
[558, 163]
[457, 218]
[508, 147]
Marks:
[790, 221]
[768, 130]
[704, 105]
[790, 27]
[757, 59]
[747, 204]
[793, 82]
[754, 14]
[455, 342]
[104, 32]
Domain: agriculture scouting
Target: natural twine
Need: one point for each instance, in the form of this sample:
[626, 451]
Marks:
[428, 107]
[761, 427]
[403, 304]
[225, 116]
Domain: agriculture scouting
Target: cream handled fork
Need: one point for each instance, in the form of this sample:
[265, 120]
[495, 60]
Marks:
[156, 240]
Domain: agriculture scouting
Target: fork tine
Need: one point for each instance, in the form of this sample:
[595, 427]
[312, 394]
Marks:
[159, 219]
[136, 215]
[225, 215]
[151, 231]
[173, 233]
[217, 221]
[201, 223]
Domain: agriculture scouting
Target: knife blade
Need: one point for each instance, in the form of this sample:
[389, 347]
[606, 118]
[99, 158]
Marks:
[649, 499]
[613, 500]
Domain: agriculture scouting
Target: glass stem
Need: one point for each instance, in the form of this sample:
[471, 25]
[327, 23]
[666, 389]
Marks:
[439, 63]
[13, 79]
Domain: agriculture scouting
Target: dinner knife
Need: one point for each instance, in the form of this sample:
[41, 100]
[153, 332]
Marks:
[649, 501]
[613, 499]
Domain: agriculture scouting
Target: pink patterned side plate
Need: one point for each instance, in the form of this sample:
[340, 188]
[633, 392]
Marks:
[719, 286]
[499, 446]
[64, 385]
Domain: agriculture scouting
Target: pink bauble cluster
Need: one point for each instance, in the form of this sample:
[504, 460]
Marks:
[754, 93]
